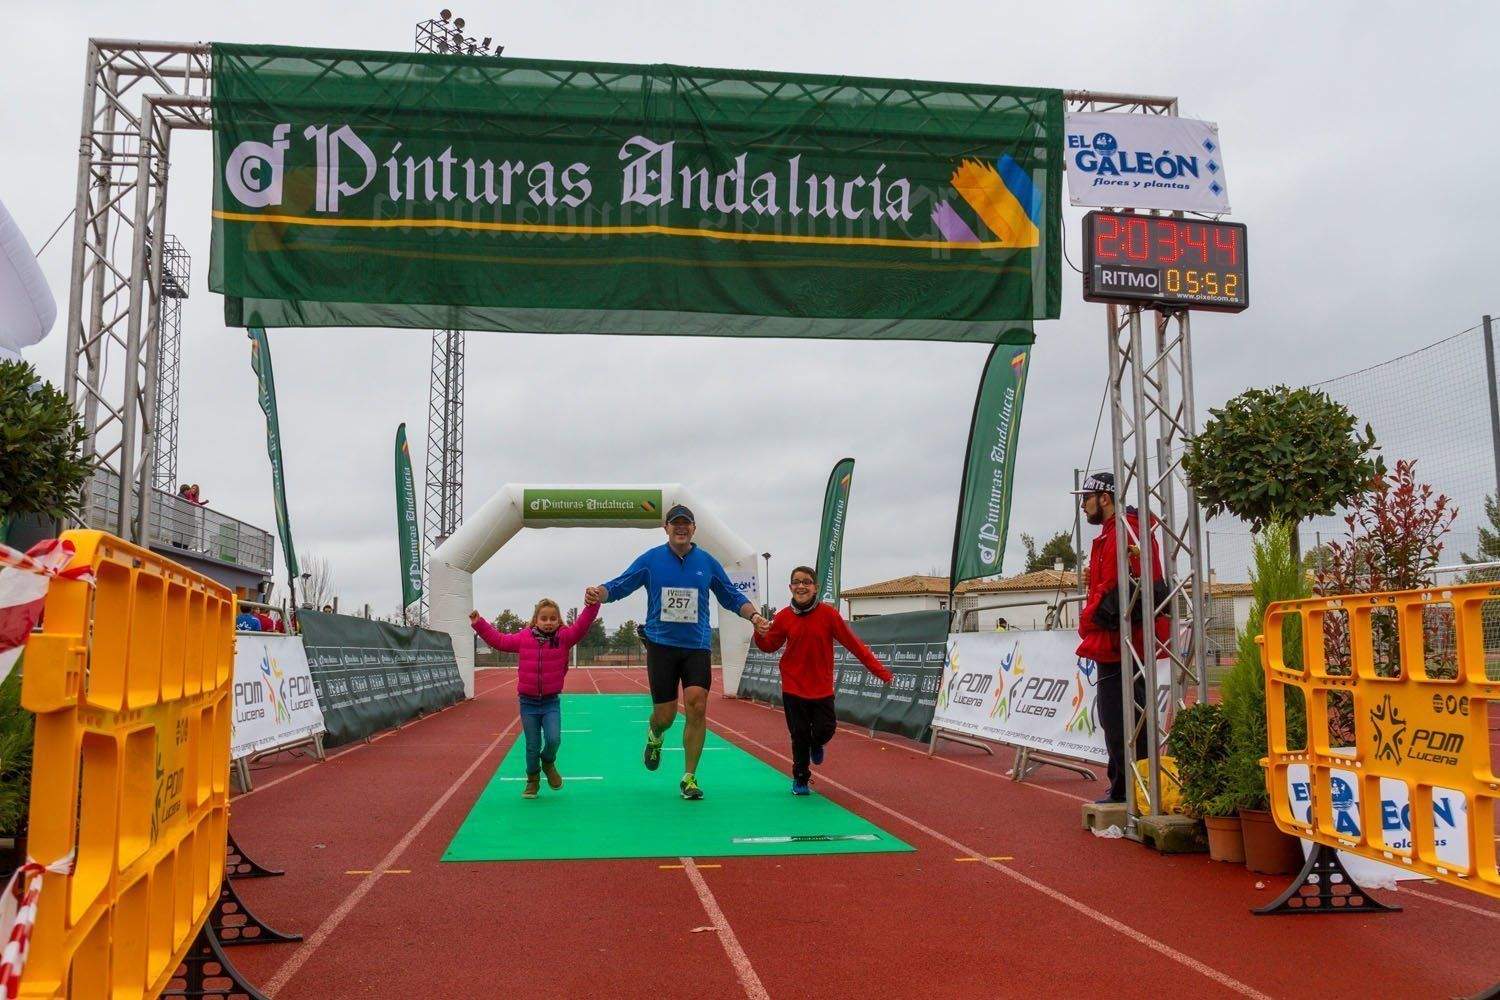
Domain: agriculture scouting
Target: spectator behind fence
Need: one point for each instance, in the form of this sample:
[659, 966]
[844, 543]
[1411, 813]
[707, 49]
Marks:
[246, 621]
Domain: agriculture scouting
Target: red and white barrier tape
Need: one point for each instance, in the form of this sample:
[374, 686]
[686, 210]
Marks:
[18, 917]
[23, 591]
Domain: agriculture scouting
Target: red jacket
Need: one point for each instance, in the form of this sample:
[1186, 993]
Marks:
[1102, 645]
[807, 664]
[542, 666]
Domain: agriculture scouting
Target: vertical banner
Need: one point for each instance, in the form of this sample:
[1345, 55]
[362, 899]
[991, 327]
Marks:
[989, 466]
[831, 532]
[260, 363]
[408, 534]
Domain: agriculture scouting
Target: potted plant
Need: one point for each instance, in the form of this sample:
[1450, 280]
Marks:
[43, 468]
[1199, 742]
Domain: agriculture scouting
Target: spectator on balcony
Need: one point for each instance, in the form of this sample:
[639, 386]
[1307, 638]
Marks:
[246, 621]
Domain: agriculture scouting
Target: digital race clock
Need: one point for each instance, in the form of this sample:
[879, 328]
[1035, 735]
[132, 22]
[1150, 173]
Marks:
[1178, 263]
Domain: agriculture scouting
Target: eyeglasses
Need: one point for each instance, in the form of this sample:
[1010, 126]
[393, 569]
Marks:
[804, 583]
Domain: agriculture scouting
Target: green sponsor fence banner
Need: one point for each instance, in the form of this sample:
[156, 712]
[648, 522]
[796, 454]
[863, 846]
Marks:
[260, 363]
[591, 505]
[913, 645]
[371, 675]
[990, 466]
[831, 533]
[408, 529]
[443, 191]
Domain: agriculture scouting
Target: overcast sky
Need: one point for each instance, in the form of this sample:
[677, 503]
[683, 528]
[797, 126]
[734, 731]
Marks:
[1352, 149]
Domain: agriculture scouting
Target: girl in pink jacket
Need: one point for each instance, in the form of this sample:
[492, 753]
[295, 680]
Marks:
[542, 653]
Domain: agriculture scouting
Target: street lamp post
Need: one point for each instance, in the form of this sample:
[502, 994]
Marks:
[765, 607]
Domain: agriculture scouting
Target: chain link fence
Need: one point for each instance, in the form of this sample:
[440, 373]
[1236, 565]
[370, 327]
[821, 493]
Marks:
[1432, 406]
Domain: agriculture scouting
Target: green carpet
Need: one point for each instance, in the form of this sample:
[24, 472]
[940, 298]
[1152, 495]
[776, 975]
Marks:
[610, 806]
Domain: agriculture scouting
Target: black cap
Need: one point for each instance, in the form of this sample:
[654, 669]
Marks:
[1097, 482]
[680, 510]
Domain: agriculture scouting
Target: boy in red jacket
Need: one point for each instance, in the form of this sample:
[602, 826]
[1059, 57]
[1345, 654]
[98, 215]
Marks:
[807, 628]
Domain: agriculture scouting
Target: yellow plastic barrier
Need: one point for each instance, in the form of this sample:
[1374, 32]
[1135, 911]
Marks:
[1422, 728]
[130, 682]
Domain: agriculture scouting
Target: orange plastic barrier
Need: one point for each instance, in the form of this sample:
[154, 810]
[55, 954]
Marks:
[1415, 687]
[130, 683]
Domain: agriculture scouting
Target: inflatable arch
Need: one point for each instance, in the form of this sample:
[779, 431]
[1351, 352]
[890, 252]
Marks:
[451, 573]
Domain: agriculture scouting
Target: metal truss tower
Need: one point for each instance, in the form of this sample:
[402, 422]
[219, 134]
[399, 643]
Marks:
[1151, 420]
[135, 95]
[443, 503]
[176, 268]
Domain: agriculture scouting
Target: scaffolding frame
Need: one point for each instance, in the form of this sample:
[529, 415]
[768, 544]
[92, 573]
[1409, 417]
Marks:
[176, 269]
[1152, 417]
[115, 325]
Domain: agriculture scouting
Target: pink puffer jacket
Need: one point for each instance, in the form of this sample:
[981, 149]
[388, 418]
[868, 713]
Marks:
[543, 665]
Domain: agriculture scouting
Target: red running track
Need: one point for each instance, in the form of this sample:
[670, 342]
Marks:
[1005, 895]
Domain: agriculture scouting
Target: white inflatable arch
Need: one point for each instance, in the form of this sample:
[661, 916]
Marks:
[517, 506]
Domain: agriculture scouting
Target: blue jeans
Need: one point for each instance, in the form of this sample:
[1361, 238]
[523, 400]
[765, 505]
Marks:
[541, 717]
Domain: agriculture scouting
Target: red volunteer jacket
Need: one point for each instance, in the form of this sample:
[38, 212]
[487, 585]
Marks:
[807, 664]
[1102, 645]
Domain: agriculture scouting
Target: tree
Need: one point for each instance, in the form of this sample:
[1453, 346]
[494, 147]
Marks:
[1281, 455]
[1394, 542]
[317, 585]
[509, 621]
[42, 464]
[625, 639]
[1489, 547]
[1058, 548]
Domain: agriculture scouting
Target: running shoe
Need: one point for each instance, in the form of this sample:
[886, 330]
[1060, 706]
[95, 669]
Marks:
[653, 751]
[533, 782]
[800, 788]
[689, 786]
[554, 780]
[817, 755]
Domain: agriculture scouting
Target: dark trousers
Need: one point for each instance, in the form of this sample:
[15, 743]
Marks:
[1109, 706]
[812, 724]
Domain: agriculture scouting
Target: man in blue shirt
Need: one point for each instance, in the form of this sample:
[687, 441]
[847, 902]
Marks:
[678, 577]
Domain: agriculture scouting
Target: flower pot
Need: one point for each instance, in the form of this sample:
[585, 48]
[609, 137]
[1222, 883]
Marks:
[1268, 850]
[1225, 841]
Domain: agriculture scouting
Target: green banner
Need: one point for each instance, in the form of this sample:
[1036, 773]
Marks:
[831, 532]
[370, 675]
[260, 363]
[913, 644]
[394, 189]
[990, 466]
[591, 505]
[408, 528]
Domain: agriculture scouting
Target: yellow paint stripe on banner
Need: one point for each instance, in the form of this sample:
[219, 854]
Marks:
[524, 227]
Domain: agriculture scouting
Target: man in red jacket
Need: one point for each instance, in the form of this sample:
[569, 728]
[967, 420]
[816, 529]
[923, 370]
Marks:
[1099, 634]
[808, 627]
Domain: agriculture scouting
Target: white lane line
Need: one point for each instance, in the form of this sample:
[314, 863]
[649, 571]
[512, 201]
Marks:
[331, 922]
[1451, 902]
[1159, 947]
[737, 957]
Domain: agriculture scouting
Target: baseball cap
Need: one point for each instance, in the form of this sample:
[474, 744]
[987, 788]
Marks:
[1097, 482]
[681, 510]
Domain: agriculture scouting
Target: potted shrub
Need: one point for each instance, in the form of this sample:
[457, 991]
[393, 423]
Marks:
[1199, 742]
[43, 468]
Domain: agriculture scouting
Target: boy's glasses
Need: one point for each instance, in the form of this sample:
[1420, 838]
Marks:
[802, 583]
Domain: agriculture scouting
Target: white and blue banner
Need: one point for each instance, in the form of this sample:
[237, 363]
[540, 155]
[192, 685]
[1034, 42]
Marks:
[1450, 816]
[1118, 160]
[275, 704]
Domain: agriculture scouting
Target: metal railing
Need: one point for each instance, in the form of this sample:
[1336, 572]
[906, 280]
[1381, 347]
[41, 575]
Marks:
[177, 523]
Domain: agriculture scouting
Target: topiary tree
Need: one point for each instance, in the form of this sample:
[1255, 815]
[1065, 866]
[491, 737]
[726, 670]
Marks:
[1281, 455]
[42, 462]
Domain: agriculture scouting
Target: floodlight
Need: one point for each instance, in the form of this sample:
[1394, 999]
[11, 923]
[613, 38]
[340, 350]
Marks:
[486, 43]
[444, 14]
[458, 23]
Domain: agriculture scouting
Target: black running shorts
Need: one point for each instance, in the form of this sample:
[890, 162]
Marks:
[668, 667]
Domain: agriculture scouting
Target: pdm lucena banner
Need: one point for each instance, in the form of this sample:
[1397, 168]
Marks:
[396, 189]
